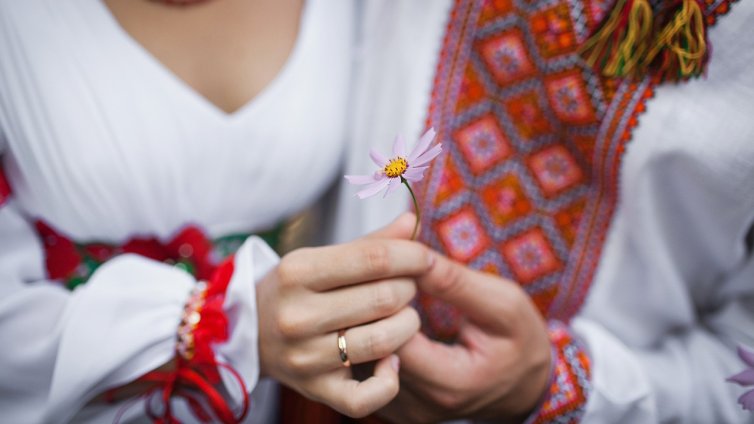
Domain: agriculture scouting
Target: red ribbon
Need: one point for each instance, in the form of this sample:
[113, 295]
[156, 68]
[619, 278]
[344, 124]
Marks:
[196, 377]
[187, 383]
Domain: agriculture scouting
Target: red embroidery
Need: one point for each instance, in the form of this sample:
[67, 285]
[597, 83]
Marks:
[570, 385]
[528, 182]
[73, 264]
[4, 187]
[204, 323]
[534, 140]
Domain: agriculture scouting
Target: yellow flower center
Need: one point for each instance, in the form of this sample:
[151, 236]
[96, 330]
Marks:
[396, 167]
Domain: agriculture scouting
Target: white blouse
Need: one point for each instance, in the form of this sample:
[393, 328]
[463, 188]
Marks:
[104, 143]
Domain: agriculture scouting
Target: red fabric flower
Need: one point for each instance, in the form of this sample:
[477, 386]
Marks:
[4, 187]
[61, 257]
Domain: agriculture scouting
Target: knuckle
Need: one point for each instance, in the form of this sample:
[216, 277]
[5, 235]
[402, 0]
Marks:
[289, 323]
[356, 407]
[451, 280]
[296, 363]
[288, 270]
[426, 257]
[518, 306]
[413, 319]
[378, 344]
[384, 299]
[377, 258]
[405, 289]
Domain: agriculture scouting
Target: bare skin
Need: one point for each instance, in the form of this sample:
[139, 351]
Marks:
[498, 370]
[228, 51]
[364, 286]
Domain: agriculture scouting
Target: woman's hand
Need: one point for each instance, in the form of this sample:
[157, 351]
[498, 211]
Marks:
[499, 369]
[363, 287]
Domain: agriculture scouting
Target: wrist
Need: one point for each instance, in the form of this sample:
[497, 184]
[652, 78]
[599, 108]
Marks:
[564, 399]
[194, 373]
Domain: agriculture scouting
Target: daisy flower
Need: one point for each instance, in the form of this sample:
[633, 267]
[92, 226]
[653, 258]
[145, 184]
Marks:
[745, 378]
[399, 169]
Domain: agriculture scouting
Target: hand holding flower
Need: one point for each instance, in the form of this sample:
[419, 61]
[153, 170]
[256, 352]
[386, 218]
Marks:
[364, 287]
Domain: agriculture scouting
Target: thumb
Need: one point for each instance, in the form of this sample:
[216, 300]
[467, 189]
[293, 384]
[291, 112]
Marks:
[400, 228]
[487, 300]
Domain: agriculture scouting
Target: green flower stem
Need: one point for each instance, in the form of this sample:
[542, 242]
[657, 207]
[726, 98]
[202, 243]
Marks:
[416, 207]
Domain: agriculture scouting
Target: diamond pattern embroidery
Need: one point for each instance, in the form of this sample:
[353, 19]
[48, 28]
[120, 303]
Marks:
[525, 177]
[505, 200]
[463, 235]
[507, 57]
[483, 144]
[528, 116]
[553, 30]
[555, 169]
[450, 182]
[530, 256]
[569, 98]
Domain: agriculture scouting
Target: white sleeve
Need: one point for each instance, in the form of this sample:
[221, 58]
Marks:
[674, 293]
[681, 379]
[60, 348]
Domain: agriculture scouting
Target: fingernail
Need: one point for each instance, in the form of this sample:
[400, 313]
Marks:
[395, 362]
[432, 259]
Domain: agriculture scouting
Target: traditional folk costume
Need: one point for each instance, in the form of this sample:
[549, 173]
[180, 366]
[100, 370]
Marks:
[633, 240]
[620, 195]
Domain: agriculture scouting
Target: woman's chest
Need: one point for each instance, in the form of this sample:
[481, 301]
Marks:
[101, 141]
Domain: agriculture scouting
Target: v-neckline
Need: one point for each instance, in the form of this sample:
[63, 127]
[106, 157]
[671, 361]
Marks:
[140, 53]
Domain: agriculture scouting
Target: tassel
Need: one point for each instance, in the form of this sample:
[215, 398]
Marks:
[669, 43]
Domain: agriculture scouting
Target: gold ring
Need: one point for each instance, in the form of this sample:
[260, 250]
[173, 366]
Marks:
[343, 348]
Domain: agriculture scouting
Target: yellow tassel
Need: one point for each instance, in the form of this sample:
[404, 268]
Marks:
[685, 37]
[620, 48]
[632, 42]
[637, 38]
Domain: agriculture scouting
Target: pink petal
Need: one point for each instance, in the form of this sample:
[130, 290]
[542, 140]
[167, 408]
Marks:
[746, 355]
[360, 179]
[427, 156]
[747, 400]
[399, 147]
[744, 378]
[422, 145]
[392, 185]
[377, 158]
[373, 189]
[415, 174]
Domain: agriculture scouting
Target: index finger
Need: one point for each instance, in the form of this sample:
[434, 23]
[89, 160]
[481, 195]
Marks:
[329, 267]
